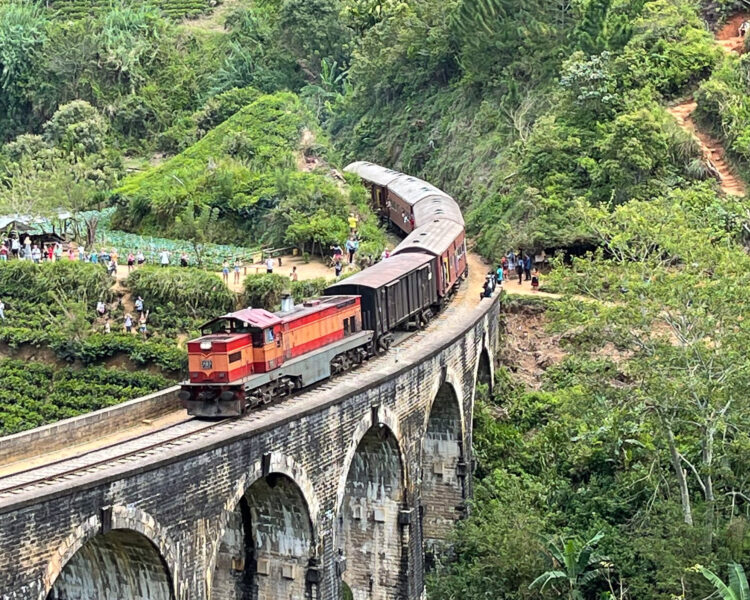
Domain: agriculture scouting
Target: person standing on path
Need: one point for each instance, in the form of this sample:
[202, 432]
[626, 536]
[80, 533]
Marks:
[337, 268]
[139, 304]
[139, 258]
[128, 323]
[527, 267]
[27, 248]
[131, 262]
[500, 275]
[142, 328]
[353, 223]
[351, 248]
[269, 265]
[184, 259]
[15, 247]
[237, 265]
[535, 280]
[36, 254]
[293, 276]
[519, 271]
[225, 272]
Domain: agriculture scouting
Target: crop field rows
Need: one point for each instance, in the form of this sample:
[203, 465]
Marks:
[177, 9]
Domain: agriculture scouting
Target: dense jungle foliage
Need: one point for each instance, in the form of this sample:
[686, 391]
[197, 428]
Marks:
[624, 475]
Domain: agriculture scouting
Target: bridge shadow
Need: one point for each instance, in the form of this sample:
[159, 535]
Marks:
[443, 472]
[118, 564]
[371, 525]
[266, 548]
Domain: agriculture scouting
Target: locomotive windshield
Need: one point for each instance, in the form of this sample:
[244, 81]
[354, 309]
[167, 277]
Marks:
[228, 326]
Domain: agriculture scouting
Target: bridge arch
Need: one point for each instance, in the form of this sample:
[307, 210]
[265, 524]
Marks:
[267, 545]
[123, 552]
[443, 467]
[372, 533]
[483, 370]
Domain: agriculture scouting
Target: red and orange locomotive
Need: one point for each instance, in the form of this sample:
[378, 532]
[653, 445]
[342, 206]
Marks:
[251, 356]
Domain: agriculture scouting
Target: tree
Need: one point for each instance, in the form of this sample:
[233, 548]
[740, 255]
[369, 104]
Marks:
[737, 589]
[575, 564]
[199, 228]
[672, 289]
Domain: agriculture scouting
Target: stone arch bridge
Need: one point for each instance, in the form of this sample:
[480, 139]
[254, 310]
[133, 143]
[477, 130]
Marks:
[339, 492]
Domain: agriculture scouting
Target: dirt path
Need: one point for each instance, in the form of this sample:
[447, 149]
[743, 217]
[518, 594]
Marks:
[711, 148]
[213, 21]
[728, 36]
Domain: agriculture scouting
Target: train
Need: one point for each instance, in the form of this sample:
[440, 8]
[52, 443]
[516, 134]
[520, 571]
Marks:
[252, 357]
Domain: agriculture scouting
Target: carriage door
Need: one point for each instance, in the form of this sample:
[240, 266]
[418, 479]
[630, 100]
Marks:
[286, 341]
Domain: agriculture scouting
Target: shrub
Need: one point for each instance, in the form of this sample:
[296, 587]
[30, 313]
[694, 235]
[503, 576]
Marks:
[264, 291]
[193, 293]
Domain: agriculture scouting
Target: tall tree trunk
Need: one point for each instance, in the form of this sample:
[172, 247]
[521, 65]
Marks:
[687, 513]
[708, 484]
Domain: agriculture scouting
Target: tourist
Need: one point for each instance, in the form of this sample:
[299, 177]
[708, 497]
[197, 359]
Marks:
[15, 247]
[293, 275]
[337, 268]
[58, 250]
[142, 324]
[128, 323]
[519, 271]
[353, 223]
[131, 261]
[94, 256]
[269, 265]
[50, 252]
[3, 253]
[139, 305]
[504, 266]
[351, 247]
[81, 253]
[184, 259]
[527, 266]
[36, 254]
[139, 258]
[500, 275]
[404, 217]
[535, 280]
[112, 268]
[2, 310]
[237, 265]
[107, 327]
[164, 257]
[71, 252]
[511, 261]
[486, 288]
[27, 248]
[337, 252]
[225, 272]
[101, 308]
[104, 256]
[412, 222]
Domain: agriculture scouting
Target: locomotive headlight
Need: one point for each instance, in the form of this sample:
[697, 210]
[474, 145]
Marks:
[205, 345]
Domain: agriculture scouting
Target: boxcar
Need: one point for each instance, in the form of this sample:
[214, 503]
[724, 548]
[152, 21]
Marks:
[437, 207]
[394, 292]
[443, 239]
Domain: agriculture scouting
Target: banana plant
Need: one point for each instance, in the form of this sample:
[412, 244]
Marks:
[575, 564]
[737, 588]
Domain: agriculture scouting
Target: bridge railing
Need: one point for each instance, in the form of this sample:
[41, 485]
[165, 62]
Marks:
[94, 425]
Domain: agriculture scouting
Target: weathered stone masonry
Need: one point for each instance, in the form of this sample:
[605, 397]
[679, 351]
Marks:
[286, 504]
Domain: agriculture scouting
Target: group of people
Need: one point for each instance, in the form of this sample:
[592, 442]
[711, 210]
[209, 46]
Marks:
[128, 319]
[12, 248]
[512, 265]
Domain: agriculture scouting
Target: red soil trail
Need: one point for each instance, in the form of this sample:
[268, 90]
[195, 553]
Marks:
[728, 36]
[712, 149]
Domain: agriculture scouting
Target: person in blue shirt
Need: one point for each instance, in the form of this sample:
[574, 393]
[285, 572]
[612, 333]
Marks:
[527, 267]
[499, 275]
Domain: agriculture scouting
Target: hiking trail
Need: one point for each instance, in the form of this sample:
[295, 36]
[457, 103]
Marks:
[729, 38]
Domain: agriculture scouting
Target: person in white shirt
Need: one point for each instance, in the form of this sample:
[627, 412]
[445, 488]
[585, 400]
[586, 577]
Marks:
[269, 265]
[164, 258]
[2, 310]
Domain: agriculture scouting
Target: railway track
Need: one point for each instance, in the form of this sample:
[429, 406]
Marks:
[99, 458]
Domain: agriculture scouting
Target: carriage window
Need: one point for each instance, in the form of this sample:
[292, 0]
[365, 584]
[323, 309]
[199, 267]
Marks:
[269, 335]
[257, 339]
[460, 250]
[235, 356]
[346, 326]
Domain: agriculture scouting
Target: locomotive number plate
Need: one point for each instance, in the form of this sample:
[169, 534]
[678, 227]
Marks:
[207, 364]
